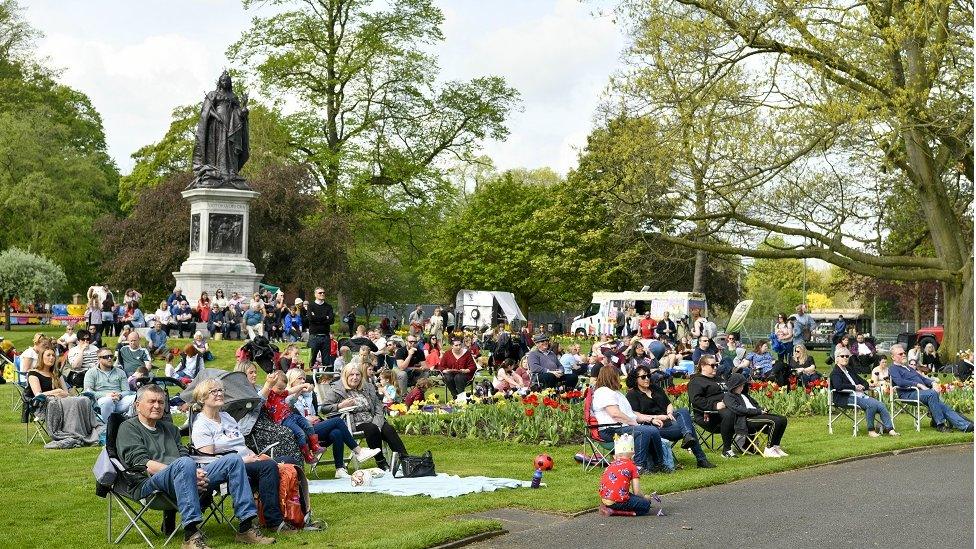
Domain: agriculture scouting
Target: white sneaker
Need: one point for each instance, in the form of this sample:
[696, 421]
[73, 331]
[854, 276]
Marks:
[770, 453]
[780, 451]
[363, 454]
[341, 473]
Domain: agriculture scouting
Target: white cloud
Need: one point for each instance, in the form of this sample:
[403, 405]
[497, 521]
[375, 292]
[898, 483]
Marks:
[137, 71]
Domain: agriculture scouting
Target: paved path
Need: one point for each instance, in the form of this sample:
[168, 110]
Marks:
[855, 504]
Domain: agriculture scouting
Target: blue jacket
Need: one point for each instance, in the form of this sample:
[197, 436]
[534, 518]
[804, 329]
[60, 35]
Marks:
[904, 377]
[293, 321]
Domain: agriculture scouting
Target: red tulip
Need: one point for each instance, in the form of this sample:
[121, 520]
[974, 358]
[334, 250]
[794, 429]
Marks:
[530, 412]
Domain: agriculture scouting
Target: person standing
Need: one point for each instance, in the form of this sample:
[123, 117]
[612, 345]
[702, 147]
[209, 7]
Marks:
[803, 326]
[784, 334]
[350, 321]
[416, 321]
[320, 319]
[665, 327]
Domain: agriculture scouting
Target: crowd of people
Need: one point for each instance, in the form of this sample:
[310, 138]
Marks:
[350, 382]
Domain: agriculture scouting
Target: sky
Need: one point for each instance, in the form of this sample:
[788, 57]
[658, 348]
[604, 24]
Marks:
[138, 60]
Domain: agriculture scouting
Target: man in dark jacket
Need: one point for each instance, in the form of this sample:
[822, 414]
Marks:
[320, 319]
[156, 460]
[706, 396]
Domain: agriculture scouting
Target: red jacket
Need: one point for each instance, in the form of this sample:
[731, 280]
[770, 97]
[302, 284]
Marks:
[450, 362]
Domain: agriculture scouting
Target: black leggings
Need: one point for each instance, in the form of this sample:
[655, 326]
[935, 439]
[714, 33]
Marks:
[722, 422]
[457, 382]
[779, 426]
[375, 436]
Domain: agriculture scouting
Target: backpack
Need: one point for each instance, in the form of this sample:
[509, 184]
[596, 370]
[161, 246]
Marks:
[289, 497]
[709, 329]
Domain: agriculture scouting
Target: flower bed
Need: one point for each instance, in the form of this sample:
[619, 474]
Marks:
[543, 418]
[549, 419]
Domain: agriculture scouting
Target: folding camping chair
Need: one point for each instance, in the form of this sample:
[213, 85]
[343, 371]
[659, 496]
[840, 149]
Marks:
[911, 405]
[601, 450]
[135, 509]
[841, 408]
[758, 438]
[706, 436]
[36, 427]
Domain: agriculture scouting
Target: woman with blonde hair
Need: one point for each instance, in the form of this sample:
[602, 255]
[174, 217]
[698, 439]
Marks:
[44, 378]
[217, 432]
[361, 400]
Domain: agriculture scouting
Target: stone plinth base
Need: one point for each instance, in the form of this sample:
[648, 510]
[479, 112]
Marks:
[219, 220]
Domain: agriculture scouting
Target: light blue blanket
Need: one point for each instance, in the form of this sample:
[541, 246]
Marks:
[441, 486]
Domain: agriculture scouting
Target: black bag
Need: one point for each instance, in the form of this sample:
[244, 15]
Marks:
[416, 466]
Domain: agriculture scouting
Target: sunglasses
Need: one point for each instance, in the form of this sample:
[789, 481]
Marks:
[843, 356]
[411, 341]
[105, 356]
[644, 376]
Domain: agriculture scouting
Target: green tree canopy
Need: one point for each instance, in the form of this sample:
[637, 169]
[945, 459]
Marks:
[29, 277]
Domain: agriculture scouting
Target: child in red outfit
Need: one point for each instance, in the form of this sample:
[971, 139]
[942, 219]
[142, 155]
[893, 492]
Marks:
[275, 392]
[620, 484]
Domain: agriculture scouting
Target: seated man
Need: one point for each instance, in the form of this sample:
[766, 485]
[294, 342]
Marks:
[543, 362]
[905, 380]
[862, 355]
[410, 364]
[109, 386]
[215, 321]
[132, 356]
[157, 340]
[232, 322]
[81, 358]
[151, 450]
[183, 315]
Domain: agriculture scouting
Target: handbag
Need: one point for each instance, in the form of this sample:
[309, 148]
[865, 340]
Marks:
[416, 466]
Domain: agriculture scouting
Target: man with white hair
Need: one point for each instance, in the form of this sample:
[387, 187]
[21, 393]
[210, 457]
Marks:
[906, 380]
[156, 459]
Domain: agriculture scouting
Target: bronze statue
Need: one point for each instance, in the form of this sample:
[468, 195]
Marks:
[222, 144]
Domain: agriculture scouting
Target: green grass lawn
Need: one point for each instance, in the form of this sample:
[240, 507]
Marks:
[49, 494]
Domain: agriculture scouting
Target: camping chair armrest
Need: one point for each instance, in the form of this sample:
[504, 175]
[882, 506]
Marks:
[194, 451]
[140, 381]
[603, 425]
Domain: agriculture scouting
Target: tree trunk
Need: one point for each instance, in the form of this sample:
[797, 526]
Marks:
[917, 306]
[701, 260]
[958, 321]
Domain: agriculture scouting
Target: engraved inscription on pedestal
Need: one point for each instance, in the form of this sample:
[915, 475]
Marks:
[225, 233]
[195, 232]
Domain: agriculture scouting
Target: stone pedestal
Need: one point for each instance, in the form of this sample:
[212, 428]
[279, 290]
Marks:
[219, 221]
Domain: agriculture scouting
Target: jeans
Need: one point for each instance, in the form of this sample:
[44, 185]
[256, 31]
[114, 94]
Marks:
[940, 412]
[264, 474]
[334, 431]
[299, 427]
[179, 481]
[871, 407]
[647, 438]
[679, 428]
[107, 406]
[787, 352]
[550, 380]
[638, 504]
[320, 343]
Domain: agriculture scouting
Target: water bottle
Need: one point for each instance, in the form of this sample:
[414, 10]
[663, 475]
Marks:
[537, 478]
[101, 438]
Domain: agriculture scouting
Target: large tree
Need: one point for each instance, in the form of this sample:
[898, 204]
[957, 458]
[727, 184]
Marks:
[372, 119]
[56, 177]
[863, 102]
[28, 277]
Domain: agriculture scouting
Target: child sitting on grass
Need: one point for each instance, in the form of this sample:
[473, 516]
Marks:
[276, 392]
[620, 485]
[417, 393]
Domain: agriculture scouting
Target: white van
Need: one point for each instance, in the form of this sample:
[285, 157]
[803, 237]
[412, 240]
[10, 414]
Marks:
[601, 316]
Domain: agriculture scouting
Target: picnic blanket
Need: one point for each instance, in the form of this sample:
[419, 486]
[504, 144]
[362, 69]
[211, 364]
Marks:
[71, 422]
[440, 486]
